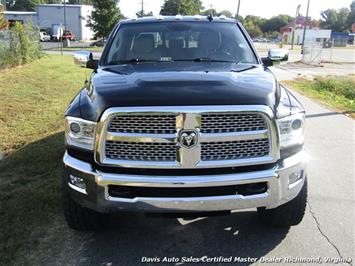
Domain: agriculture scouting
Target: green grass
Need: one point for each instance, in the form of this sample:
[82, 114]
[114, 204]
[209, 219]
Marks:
[33, 99]
[335, 92]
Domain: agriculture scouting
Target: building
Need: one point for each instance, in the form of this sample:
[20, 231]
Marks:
[341, 39]
[313, 36]
[21, 16]
[51, 17]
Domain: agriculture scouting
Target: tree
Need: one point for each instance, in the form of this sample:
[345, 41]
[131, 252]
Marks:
[78, 2]
[253, 29]
[275, 23]
[182, 7]
[141, 13]
[23, 5]
[104, 17]
[226, 13]
[351, 18]
[336, 20]
[3, 24]
[213, 11]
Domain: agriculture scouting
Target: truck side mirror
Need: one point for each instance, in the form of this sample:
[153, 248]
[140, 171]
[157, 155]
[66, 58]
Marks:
[267, 61]
[278, 54]
[85, 59]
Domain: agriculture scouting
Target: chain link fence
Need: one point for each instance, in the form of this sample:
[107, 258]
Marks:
[315, 53]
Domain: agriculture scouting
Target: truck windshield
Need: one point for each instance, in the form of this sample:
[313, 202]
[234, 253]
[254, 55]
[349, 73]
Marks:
[179, 41]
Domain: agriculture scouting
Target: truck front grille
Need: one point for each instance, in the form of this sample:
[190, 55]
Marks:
[138, 151]
[221, 123]
[152, 137]
[146, 124]
[229, 150]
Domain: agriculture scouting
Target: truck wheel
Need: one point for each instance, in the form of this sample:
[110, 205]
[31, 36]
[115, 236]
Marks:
[78, 217]
[288, 214]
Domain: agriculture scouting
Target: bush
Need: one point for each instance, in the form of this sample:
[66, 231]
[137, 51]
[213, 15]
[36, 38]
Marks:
[339, 86]
[19, 45]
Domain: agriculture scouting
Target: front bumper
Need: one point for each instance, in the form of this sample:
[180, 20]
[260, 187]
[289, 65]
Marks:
[96, 195]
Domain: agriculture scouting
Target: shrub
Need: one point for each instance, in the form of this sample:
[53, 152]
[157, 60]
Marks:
[338, 86]
[19, 45]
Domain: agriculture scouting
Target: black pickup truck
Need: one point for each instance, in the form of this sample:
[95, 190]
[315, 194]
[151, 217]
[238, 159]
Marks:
[182, 116]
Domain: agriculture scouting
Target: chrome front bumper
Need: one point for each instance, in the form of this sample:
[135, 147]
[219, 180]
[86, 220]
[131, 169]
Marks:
[96, 195]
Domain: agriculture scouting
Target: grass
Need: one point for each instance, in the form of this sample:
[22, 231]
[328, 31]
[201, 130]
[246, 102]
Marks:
[335, 92]
[91, 49]
[33, 99]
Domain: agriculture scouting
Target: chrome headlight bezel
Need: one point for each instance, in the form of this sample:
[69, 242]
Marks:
[80, 133]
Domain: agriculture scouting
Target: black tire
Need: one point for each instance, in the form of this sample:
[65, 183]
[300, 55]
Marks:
[78, 217]
[288, 214]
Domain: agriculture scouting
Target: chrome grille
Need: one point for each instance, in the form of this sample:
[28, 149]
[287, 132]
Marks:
[151, 137]
[225, 123]
[146, 124]
[138, 151]
[215, 151]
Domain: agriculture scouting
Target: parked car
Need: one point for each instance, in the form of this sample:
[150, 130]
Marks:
[190, 126]
[44, 37]
[99, 43]
[67, 34]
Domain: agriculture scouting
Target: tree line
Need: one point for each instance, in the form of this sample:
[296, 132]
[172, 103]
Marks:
[107, 14]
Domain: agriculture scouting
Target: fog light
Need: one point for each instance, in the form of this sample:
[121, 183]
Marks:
[77, 181]
[294, 177]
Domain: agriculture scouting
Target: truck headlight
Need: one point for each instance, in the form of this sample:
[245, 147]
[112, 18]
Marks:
[291, 129]
[80, 133]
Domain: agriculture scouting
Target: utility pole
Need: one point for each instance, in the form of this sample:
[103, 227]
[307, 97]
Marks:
[65, 16]
[294, 25]
[305, 27]
[238, 9]
[64, 40]
[142, 8]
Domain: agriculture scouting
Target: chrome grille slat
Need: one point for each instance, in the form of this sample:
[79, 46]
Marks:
[145, 124]
[138, 151]
[223, 123]
[215, 151]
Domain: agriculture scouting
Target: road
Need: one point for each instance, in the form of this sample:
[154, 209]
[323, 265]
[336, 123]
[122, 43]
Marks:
[327, 230]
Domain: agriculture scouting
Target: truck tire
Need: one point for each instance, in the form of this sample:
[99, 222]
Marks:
[78, 217]
[288, 214]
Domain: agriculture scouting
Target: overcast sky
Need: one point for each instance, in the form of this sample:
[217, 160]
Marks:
[263, 8]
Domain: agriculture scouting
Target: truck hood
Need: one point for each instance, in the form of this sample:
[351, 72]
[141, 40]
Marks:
[177, 84]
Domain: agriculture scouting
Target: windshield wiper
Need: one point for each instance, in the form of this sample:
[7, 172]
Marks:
[204, 59]
[135, 60]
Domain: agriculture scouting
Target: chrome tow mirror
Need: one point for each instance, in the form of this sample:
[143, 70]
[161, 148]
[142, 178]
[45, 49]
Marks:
[277, 55]
[81, 58]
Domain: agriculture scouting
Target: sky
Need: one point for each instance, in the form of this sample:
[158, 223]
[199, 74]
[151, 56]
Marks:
[263, 8]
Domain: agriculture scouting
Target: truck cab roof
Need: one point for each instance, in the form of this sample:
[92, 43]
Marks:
[179, 18]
